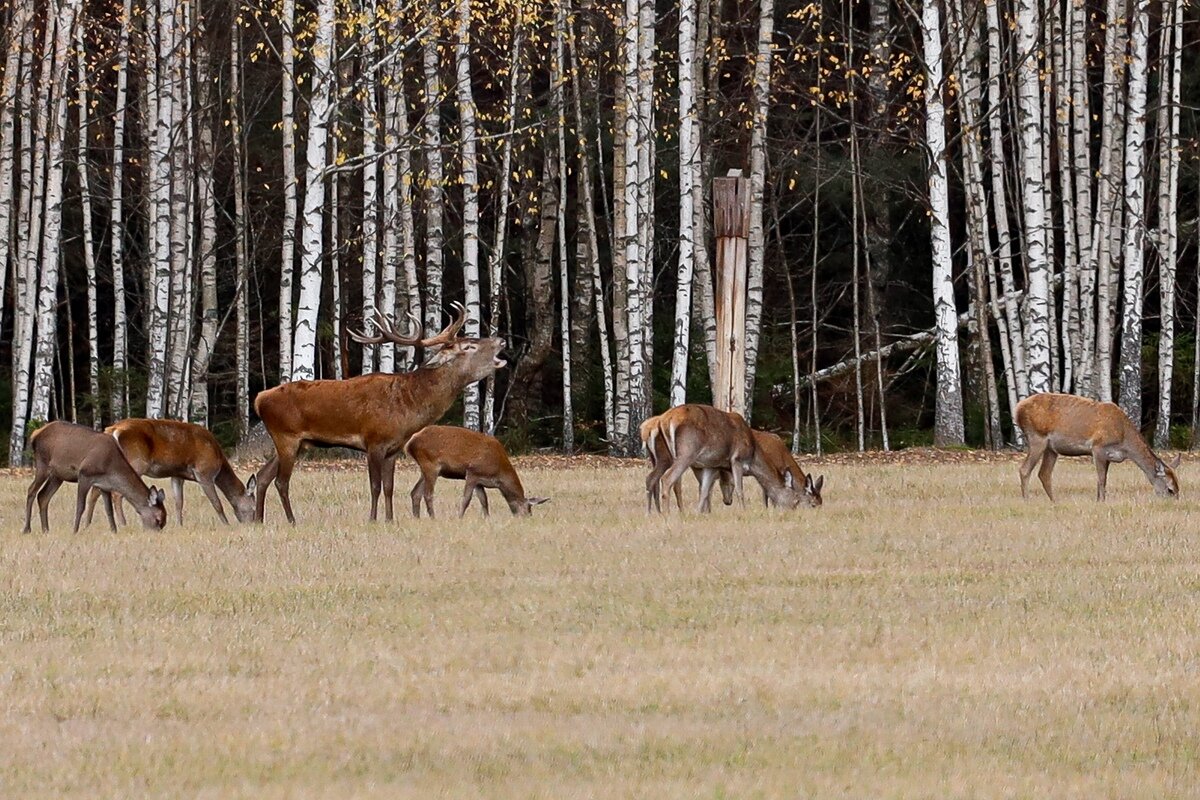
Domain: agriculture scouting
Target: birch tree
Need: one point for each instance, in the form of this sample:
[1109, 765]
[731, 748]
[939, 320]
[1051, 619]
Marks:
[948, 419]
[559, 80]
[470, 184]
[19, 19]
[290, 188]
[689, 169]
[206, 201]
[1171, 73]
[1135, 205]
[89, 252]
[434, 192]
[241, 267]
[756, 248]
[370, 180]
[311, 240]
[116, 223]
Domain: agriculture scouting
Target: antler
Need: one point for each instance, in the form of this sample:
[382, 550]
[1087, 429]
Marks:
[388, 332]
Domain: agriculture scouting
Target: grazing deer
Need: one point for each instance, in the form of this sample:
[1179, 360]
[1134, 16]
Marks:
[375, 413]
[442, 451]
[705, 437]
[181, 451]
[779, 460]
[66, 452]
[655, 449]
[1065, 425]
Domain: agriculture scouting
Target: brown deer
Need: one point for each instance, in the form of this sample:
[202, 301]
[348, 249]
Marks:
[181, 451]
[1065, 425]
[713, 440]
[659, 457]
[66, 452]
[442, 451]
[375, 413]
[779, 459]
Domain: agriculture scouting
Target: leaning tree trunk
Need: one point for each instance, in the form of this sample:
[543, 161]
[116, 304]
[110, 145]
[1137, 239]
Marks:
[948, 415]
[304, 353]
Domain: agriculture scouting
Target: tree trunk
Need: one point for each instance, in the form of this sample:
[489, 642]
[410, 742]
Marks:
[948, 416]
[290, 190]
[1168, 219]
[242, 345]
[756, 251]
[559, 79]
[21, 12]
[89, 253]
[434, 179]
[689, 176]
[206, 199]
[1135, 204]
[320, 113]
[470, 184]
[370, 182]
[116, 224]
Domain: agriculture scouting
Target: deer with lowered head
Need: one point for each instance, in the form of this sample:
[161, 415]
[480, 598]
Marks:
[442, 451]
[64, 452]
[376, 413]
[714, 440]
[779, 459]
[1065, 425]
[181, 451]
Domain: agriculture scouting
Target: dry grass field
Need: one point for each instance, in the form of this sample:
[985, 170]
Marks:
[925, 634]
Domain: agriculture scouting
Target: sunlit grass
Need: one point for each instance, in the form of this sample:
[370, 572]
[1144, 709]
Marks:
[926, 633]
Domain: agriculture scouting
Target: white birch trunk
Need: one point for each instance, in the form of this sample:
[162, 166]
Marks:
[948, 417]
[470, 184]
[1135, 222]
[21, 13]
[408, 228]
[1168, 221]
[370, 181]
[757, 246]
[1004, 234]
[393, 110]
[242, 344]
[89, 253]
[559, 79]
[434, 178]
[181, 306]
[116, 221]
[304, 352]
[628, 414]
[47, 301]
[1081, 174]
[1029, 114]
[689, 169]
[206, 251]
[646, 176]
[287, 262]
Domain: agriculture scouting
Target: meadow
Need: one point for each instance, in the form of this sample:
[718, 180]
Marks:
[925, 634]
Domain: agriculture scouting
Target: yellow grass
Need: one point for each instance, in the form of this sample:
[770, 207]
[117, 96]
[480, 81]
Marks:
[925, 634]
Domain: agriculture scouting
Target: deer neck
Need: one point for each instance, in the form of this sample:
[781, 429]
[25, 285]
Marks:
[129, 485]
[1140, 453]
[514, 493]
[229, 483]
[434, 387]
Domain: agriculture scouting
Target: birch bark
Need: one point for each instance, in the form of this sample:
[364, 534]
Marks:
[287, 266]
[470, 184]
[89, 252]
[434, 192]
[1168, 217]
[689, 168]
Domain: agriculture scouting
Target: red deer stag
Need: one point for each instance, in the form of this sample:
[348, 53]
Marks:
[1065, 425]
[702, 436]
[442, 451]
[375, 413]
[66, 452]
[181, 451]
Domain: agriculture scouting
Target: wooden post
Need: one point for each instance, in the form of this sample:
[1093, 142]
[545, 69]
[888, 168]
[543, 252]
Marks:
[731, 225]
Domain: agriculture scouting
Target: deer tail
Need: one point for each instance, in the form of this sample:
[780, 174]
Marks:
[671, 439]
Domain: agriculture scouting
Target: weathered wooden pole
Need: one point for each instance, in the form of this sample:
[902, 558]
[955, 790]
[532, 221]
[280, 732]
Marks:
[731, 225]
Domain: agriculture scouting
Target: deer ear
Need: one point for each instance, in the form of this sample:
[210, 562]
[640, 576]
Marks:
[820, 482]
[252, 484]
[789, 480]
[157, 496]
[536, 501]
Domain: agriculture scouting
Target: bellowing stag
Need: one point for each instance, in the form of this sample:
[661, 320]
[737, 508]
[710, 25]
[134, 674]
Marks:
[375, 413]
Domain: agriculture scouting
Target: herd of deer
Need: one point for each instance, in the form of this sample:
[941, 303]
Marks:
[385, 415]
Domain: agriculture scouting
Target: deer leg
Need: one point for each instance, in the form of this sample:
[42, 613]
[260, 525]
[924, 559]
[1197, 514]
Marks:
[39, 480]
[91, 507]
[707, 478]
[727, 487]
[389, 482]
[416, 495]
[1047, 468]
[1101, 476]
[266, 476]
[287, 461]
[119, 508]
[1037, 448]
[374, 472]
[81, 496]
[675, 473]
[430, 480]
[653, 487]
[43, 497]
[177, 490]
[468, 492]
[108, 510]
[210, 491]
[481, 493]
[736, 468]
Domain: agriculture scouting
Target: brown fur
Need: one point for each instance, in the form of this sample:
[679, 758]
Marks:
[64, 452]
[442, 451]
[376, 414]
[778, 458]
[182, 451]
[1063, 424]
